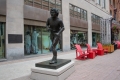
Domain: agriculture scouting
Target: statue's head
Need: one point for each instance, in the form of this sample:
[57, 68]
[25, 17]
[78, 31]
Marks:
[54, 12]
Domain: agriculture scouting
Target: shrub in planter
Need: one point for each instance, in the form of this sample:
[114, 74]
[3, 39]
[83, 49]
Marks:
[108, 47]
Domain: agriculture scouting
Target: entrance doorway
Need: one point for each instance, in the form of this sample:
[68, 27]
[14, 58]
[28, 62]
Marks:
[95, 39]
[2, 40]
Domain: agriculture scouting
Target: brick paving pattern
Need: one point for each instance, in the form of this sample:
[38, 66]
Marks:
[106, 67]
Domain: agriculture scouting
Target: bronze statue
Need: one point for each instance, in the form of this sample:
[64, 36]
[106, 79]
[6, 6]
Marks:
[56, 27]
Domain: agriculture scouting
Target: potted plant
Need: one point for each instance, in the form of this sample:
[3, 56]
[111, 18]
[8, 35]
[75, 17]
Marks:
[115, 29]
[108, 47]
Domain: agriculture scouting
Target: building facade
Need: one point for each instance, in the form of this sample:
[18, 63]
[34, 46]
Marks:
[19, 18]
[115, 9]
[115, 13]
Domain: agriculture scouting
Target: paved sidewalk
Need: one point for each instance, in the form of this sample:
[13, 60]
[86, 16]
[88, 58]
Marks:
[105, 67]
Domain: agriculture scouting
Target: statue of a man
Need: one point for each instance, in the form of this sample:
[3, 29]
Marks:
[56, 27]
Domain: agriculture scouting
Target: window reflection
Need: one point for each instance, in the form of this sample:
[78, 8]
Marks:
[37, 3]
[52, 4]
[95, 19]
[78, 37]
[75, 12]
[85, 15]
[34, 40]
[78, 12]
[59, 5]
[45, 4]
[71, 10]
[37, 40]
[82, 13]
[95, 38]
[98, 1]
[29, 2]
[2, 40]
[46, 43]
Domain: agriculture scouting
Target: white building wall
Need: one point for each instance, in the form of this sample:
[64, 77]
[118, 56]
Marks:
[88, 5]
[15, 20]
[14, 25]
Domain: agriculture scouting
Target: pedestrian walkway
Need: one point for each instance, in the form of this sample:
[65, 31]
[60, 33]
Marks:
[105, 67]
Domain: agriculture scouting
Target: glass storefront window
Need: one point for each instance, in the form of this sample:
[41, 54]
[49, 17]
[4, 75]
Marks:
[46, 43]
[39, 31]
[82, 38]
[32, 41]
[95, 38]
[37, 40]
[77, 37]
[2, 40]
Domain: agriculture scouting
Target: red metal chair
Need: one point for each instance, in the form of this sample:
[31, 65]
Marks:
[92, 52]
[80, 54]
[100, 50]
[118, 44]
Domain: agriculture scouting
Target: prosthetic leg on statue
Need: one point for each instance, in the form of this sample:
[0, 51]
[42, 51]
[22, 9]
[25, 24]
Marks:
[54, 58]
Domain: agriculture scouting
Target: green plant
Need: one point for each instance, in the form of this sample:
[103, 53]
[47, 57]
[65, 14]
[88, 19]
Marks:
[115, 29]
[107, 44]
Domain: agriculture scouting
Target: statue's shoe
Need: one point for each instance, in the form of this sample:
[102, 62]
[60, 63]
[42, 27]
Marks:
[53, 62]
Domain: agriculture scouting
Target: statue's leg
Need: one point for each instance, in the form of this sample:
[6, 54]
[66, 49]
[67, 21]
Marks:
[54, 43]
[51, 38]
[60, 42]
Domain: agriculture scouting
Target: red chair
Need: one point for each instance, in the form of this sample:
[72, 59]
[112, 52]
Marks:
[118, 44]
[92, 52]
[100, 50]
[80, 54]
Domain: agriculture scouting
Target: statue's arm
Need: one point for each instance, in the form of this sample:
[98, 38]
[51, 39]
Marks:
[61, 28]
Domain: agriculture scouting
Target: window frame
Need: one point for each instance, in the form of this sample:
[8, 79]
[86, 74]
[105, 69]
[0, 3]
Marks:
[49, 4]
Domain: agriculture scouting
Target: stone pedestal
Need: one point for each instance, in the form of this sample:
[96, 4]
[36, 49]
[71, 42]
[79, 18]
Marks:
[39, 73]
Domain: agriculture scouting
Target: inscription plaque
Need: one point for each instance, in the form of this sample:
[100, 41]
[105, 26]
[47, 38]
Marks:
[14, 38]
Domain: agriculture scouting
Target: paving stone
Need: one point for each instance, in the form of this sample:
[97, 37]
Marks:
[106, 67]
